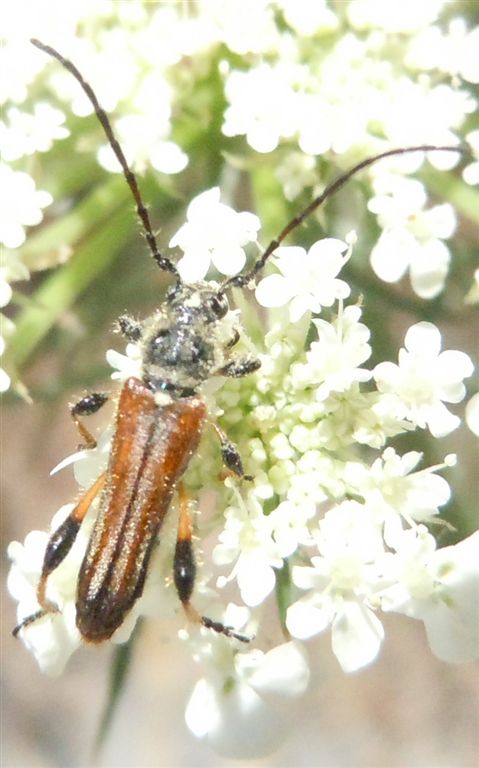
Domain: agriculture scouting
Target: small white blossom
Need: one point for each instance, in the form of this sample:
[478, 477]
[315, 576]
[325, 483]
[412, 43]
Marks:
[213, 234]
[247, 539]
[262, 105]
[340, 584]
[55, 637]
[390, 487]
[296, 172]
[308, 281]
[143, 139]
[438, 112]
[25, 133]
[126, 365]
[333, 362]
[453, 50]
[20, 205]
[245, 26]
[406, 17]
[237, 706]
[472, 414]
[424, 378]
[291, 526]
[5, 381]
[470, 173]
[308, 18]
[440, 587]
[6, 330]
[11, 269]
[412, 236]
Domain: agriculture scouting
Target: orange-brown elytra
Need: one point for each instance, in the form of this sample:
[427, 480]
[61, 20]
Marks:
[151, 449]
[159, 421]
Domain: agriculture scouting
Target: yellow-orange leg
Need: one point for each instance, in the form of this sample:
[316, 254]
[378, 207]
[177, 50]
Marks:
[184, 569]
[59, 545]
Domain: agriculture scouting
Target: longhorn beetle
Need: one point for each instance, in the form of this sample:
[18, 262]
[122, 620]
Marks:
[159, 421]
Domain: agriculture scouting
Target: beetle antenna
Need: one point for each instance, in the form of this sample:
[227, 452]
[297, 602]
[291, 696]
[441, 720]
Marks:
[243, 278]
[163, 262]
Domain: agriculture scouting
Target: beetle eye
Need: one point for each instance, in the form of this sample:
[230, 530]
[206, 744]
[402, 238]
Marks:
[219, 304]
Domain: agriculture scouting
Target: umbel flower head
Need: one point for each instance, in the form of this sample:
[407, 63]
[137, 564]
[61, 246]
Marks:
[350, 525]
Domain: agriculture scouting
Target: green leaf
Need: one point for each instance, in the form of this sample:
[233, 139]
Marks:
[75, 225]
[59, 291]
[453, 190]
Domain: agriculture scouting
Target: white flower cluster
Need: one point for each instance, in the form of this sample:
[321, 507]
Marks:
[351, 526]
[301, 81]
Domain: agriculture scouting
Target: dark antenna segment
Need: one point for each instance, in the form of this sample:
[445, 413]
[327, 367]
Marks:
[242, 279]
[163, 262]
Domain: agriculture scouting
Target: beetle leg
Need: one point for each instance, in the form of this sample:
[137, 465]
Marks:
[58, 547]
[240, 367]
[230, 454]
[234, 339]
[85, 407]
[184, 568]
[129, 327]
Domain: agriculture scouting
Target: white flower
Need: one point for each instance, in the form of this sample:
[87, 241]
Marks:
[440, 587]
[472, 414]
[55, 637]
[143, 137]
[23, 133]
[126, 365]
[263, 105]
[6, 330]
[324, 126]
[405, 17]
[5, 381]
[470, 173]
[20, 205]
[237, 707]
[424, 378]
[245, 26]
[341, 583]
[453, 50]
[439, 111]
[412, 236]
[308, 18]
[290, 525]
[214, 233]
[307, 281]
[247, 539]
[296, 172]
[11, 269]
[333, 362]
[389, 486]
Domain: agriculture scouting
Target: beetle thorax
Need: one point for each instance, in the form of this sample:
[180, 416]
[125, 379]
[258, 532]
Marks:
[181, 343]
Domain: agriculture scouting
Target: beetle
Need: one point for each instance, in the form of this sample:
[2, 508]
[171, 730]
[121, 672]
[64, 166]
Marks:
[160, 417]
